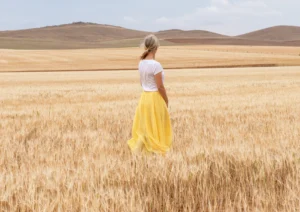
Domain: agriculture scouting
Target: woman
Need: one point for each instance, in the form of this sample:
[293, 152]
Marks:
[151, 131]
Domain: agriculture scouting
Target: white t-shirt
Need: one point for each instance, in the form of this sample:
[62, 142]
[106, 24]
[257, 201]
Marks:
[147, 69]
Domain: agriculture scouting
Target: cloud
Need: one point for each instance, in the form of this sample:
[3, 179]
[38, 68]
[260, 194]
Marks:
[222, 12]
[228, 10]
[220, 2]
[162, 20]
[130, 20]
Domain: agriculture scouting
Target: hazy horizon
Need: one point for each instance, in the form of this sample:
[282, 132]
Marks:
[229, 17]
[142, 30]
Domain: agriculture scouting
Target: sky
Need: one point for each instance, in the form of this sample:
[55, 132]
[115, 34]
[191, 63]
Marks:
[230, 17]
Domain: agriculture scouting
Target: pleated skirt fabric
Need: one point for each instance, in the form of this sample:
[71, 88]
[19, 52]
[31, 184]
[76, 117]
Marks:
[151, 130]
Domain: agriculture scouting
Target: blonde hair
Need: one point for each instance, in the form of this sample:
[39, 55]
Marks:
[151, 43]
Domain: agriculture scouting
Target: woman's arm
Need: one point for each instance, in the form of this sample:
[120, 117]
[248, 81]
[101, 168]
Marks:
[161, 87]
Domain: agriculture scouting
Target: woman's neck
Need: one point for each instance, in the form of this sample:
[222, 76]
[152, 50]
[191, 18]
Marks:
[150, 56]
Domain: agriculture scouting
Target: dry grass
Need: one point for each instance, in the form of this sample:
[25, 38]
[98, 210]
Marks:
[171, 57]
[236, 142]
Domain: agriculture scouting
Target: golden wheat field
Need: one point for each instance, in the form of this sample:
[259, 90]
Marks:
[235, 148]
[127, 58]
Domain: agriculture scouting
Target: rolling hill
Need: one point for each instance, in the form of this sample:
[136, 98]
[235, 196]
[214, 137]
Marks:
[181, 34]
[75, 35]
[82, 35]
[277, 33]
[78, 31]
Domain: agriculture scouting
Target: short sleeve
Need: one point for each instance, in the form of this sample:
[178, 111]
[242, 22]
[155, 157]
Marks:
[157, 68]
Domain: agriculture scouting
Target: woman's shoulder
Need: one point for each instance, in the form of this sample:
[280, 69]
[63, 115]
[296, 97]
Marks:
[154, 63]
[157, 64]
[150, 62]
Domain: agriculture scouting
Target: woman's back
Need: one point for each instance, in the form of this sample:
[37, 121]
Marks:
[148, 69]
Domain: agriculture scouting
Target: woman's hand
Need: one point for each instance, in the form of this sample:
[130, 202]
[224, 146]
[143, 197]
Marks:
[161, 87]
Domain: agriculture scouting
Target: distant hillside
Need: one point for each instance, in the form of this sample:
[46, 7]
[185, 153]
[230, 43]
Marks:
[75, 35]
[79, 31]
[277, 33]
[224, 41]
[181, 34]
[81, 35]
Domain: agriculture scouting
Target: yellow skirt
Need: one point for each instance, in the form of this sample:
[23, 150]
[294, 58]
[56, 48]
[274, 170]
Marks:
[151, 131]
